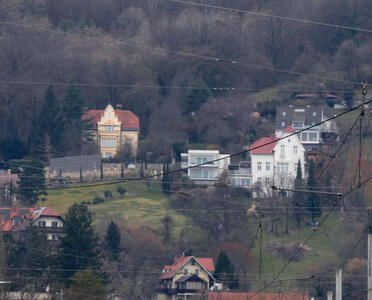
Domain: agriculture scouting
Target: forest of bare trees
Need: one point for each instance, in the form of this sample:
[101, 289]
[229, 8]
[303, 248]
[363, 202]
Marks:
[143, 44]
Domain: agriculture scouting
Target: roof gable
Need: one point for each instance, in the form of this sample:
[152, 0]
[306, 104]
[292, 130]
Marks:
[205, 263]
[127, 118]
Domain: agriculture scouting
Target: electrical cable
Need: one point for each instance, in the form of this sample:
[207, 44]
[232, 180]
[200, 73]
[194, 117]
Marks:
[256, 13]
[308, 239]
[181, 53]
[211, 161]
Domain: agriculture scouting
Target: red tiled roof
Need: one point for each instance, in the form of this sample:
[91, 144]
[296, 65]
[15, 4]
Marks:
[267, 149]
[50, 212]
[253, 296]
[24, 213]
[128, 119]
[206, 263]
[289, 129]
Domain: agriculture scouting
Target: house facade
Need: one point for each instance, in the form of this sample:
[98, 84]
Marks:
[115, 131]
[300, 118]
[47, 220]
[274, 160]
[240, 174]
[187, 278]
[208, 173]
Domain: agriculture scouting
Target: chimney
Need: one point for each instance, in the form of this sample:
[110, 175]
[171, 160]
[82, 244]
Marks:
[119, 106]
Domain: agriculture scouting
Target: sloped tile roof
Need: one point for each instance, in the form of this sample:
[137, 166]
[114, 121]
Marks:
[206, 263]
[128, 119]
[289, 129]
[267, 149]
[253, 296]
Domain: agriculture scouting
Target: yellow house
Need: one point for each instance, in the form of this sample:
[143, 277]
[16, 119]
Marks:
[115, 131]
[187, 278]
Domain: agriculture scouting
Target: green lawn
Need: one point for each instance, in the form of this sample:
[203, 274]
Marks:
[322, 245]
[138, 206]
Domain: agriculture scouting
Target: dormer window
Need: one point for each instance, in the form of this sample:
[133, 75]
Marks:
[41, 223]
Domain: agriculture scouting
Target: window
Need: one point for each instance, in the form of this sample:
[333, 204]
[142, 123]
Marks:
[259, 180]
[108, 142]
[54, 224]
[304, 136]
[282, 151]
[283, 124]
[259, 166]
[295, 149]
[42, 223]
[201, 160]
[284, 113]
[108, 155]
[313, 136]
[196, 271]
[207, 174]
[282, 168]
[267, 166]
[297, 124]
[267, 181]
[185, 271]
[55, 237]
[314, 113]
[109, 128]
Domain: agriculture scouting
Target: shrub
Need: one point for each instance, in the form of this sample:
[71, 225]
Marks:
[97, 200]
[121, 190]
[107, 194]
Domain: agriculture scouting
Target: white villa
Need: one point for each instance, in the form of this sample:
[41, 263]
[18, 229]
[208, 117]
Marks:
[275, 161]
[208, 173]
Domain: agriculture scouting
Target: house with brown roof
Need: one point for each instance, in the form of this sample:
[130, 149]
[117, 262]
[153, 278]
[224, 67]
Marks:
[274, 160]
[187, 278]
[115, 131]
[46, 219]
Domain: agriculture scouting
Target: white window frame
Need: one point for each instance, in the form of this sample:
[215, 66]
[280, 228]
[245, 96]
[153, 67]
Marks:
[295, 149]
[267, 166]
[282, 151]
[259, 166]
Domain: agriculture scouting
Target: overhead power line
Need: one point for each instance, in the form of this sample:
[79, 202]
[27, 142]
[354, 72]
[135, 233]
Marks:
[285, 266]
[267, 15]
[182, 53]
[208, 162]
[137, 86]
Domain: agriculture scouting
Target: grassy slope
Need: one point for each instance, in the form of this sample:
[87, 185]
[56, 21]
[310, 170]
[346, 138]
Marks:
[137, 206]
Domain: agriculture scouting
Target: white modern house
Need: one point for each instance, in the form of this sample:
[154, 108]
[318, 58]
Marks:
[300, 118]
[210, 170]
[274, 160]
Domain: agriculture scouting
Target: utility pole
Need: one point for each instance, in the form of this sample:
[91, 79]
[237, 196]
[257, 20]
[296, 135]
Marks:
[339, 284]
[369, 230]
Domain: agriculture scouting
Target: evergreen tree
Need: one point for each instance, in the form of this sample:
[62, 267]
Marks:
[112, 241]
[28, 256]
[313, 201]
[298, 198]
[31, 181]
[47, 137]
[225, 271]
[79, 247]
[74, 126]
[85, 285]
